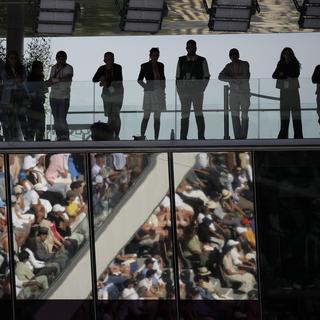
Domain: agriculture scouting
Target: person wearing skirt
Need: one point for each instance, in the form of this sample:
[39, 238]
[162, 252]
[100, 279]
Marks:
[287, 73]
[154, 99]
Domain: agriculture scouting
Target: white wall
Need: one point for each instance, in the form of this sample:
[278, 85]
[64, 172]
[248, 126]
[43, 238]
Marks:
[261, 50]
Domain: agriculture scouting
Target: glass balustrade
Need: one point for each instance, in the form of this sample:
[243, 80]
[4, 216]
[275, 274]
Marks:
[169, 102]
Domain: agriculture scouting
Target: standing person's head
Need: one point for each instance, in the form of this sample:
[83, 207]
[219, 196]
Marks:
[191, 47]
[234, 54]
[287, 56]
[37, 67]
[154, 54]
[61, 58]
[13, 63]
[109, 59]
[12, 58]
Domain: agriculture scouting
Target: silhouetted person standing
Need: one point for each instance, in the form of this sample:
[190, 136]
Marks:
[14, 99]
[237, 73]
[110, 78]
[154, 99]
[60, 81]
[316, 79]
[192, 79]
[37, 91]
[287, 73]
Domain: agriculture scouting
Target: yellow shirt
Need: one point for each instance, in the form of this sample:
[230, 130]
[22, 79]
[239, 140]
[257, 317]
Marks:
[72, 209]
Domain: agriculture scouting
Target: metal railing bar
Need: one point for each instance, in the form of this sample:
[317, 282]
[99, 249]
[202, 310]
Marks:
[158, 146]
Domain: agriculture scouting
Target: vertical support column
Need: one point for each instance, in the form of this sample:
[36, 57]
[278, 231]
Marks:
[15, 27]
[254, 168]
[10, 234]
[174, 232]
[91, 236]
[226, 112]
[175, 112]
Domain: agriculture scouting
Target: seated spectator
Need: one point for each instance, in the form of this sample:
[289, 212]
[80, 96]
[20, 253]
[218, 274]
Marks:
[203, 281]
[147, 283]
[129, 292]
[56, 259]
[57, 171]
[53, 197]
[234, 274]
[28, 278]
[78, 217]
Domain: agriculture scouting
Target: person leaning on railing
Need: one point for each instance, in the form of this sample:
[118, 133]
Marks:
[316, 79]
[287, 73]
[110, 79]
[237, 74]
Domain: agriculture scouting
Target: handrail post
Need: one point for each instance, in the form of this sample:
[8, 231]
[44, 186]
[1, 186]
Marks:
[94, 103]
[226, 113]
[259, 105]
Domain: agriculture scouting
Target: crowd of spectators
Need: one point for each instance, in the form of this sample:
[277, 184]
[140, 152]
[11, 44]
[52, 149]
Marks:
[49, 211]
[112, 174]
[216, 239]
[49, 217]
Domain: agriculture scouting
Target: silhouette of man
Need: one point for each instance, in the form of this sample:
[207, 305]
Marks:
[192, 78]
[237, 74]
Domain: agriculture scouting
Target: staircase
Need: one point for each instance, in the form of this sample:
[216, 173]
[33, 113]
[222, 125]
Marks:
[310, 14]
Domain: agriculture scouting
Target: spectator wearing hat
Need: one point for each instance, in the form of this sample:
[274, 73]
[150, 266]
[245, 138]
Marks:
[54, 241]
[229, 206]
[29, 164]
[205, 286]
[62, 222]
[57, 259]
[232, 273]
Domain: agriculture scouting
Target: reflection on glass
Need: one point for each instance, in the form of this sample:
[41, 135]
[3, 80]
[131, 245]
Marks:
[215, 221]
[141, 267]
[5, 290]
[287, 188]
[112, 175]
[49, 215]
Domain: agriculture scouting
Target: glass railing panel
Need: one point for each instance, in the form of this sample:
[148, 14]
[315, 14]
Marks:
[196, 106]
[133, 242]
[216, 229]
[50, 223]
[287, 187]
